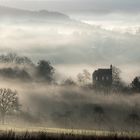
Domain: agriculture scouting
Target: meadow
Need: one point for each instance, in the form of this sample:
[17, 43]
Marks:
[38, 133]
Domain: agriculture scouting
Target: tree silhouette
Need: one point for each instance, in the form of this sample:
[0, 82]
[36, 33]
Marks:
[116, 75]
[84, 77]
[80, 78]
[15, 73]
[136, 84]
[69, 82]
[117, 83]
[45, 71]
[8, 102]
[13, 58]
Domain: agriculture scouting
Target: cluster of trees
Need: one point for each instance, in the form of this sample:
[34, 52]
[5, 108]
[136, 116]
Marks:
[13, 58]
[118, 83]
[20, 67]
[17, 67]
[83, 79]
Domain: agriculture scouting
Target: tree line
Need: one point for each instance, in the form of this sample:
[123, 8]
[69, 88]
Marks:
[22, 68]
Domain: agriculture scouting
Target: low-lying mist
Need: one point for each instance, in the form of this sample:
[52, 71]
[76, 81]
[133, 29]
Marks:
[74, 107]
[45, 102]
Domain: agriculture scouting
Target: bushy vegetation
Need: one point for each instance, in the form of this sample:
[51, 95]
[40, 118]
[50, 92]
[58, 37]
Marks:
[22, 68]
[10, 135]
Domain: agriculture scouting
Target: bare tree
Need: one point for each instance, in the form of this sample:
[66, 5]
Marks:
[8, 102]
[117, 82]
[116, 75]
[80, 78]
[84, 78]
[87, 75]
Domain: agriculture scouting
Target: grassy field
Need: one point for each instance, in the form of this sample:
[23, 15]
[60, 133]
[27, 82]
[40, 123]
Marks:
[37, 133]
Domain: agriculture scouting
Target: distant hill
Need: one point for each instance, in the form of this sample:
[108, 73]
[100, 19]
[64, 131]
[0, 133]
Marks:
[14, 13]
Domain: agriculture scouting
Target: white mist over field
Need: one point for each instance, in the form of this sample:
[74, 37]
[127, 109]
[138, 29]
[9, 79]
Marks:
[73, 107]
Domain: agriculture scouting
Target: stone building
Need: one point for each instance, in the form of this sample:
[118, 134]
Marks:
[102, 77]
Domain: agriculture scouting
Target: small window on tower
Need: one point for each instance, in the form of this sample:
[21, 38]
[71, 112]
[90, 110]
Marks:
[96, 78]
[107, 78]
[103, 78]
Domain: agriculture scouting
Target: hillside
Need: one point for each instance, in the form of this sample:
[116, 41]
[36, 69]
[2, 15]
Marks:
[14, 13]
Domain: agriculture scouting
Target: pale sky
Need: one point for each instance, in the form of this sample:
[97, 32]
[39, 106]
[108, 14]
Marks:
[95, 6]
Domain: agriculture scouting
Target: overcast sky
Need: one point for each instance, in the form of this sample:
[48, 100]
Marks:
[115, 33]
[95, 6]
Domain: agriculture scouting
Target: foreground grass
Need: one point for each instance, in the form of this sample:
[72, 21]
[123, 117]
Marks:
[38, 133]
[10, 135]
